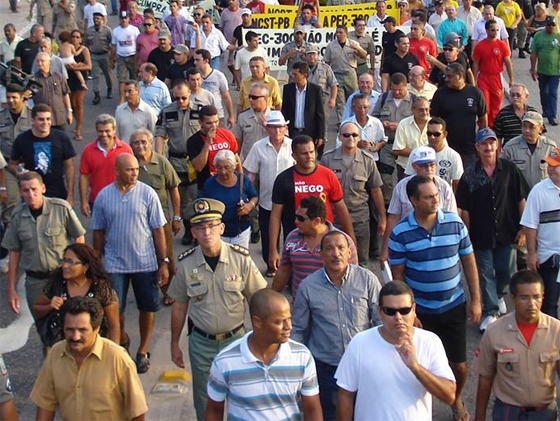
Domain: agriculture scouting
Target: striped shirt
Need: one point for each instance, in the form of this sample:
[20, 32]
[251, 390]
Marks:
[255, 391]
[507, 124]
[432, 260]
[304, 261]
[128, 220]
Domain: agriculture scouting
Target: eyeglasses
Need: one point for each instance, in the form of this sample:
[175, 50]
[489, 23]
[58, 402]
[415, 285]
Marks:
[347, 135]
[392, 311]
[301, 218]
[402, 5]
[224, 168]
[202, 228]
[182, 98]
[255, 97]
[434, 134]
[70, 262]
[448, 49]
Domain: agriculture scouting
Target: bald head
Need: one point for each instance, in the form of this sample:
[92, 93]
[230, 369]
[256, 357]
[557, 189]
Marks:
[124, 160]
[348, 125]
[264, 301]
[127, 169]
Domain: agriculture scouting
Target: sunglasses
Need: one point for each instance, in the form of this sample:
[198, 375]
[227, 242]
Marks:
[347, 135]
[256, 96]
[301, 218]
[448, 49]
[148, 24]
[435, 134]
[392, 311]
[182, 98]
[198, 14]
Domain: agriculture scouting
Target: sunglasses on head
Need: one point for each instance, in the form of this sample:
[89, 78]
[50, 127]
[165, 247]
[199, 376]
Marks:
[392, 311]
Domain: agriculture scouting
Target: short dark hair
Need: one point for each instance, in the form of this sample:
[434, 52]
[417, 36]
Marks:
[316, 208]
[28, 176]
[358, 19]
[308, 6]
[301, 139]
[490, 22]
[149, 11]
[457, 69]
[79, 305]
[440, 121]
[399, 37]
[398, 79]
[204, 53]
[40, 108]
[250, 35]
[524, 276]
[332, 234]
[413, 185]
[395, 288]
[422, 15]
[192, 71]
[64, 36]
[342, 27]
[360, 96]
[207, 111]
[302, 67]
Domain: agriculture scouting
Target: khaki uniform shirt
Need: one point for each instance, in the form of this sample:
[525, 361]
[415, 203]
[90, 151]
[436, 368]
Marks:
[216, 299]
[248, 130]
[517, 151]
[179, 125]
[366, 42]
[297, 57]
[104, 387]
[160, 176]
[9, 131]
[323, 76]
[341, 60]
[98, 42]
[356, 180]
[42, 242]
[390, 112]
[525, 375]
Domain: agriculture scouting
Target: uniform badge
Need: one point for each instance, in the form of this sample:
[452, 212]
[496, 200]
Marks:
[195, 270]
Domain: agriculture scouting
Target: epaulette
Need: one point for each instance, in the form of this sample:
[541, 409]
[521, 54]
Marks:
[240, 249]
[186, 253]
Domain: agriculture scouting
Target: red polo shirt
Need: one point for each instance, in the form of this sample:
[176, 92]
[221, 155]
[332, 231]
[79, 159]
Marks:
[99, 165]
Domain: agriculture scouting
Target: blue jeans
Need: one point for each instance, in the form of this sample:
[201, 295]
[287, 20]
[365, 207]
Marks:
[145, 286]
[549, 272]
[548, 87]
[215, 63]
[114, 6]
[328, 388]
[495, 268]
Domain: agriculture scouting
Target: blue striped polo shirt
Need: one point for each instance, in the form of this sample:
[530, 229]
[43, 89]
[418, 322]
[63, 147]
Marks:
[432, 260]
[256, 391]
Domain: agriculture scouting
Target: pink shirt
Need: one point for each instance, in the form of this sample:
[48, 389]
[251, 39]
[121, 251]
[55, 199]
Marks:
[145, 43]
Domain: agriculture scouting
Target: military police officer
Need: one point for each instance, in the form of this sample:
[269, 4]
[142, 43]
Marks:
[37, 236]
[213, 281]
[14, 119]
[176, 123]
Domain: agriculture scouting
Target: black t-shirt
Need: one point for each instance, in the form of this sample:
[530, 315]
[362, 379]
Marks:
[162, 60]
[27, 51]
[212, 261]
[459, 109]
[238, 33]
[388, 42]
[395, 64]
[46, 156]
[194, 147]
[179, 71]
[437, 75]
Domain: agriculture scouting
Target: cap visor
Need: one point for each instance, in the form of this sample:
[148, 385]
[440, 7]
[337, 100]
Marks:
[550, 161]
[206, 217]
[424, 161]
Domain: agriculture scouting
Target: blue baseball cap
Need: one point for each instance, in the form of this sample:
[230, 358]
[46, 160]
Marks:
[484, 134]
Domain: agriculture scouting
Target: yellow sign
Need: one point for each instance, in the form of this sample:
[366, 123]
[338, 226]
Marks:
[284, 17]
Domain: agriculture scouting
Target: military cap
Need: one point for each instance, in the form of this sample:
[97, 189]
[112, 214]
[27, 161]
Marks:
[205, 209]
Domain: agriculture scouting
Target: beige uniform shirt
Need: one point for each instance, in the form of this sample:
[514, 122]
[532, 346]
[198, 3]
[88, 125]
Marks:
[366, 42]
[525, 375]
[323, 76]
[249, 130]
[356, 180]
[179, 125]
[105, 387]
[216, 298]
[393, 112]
[341, 59]
[42, 242]
[518, 152]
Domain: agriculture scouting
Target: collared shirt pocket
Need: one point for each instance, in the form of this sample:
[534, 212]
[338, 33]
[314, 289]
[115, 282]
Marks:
[508, 365]
[55, 236]
[548, 361]
[196, 288]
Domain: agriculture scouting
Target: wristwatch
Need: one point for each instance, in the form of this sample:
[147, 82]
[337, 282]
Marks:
[166, 260]
[177, 218]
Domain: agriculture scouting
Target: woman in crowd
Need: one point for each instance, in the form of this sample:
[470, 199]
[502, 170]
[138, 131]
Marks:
[77, 91]
[237, 193]
[81, 274]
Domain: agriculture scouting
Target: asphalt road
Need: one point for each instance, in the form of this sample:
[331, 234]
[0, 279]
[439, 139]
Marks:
[25, 356]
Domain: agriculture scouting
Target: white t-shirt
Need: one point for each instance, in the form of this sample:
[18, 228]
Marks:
[242, 60]
[125, 40]
[543, 207]
[386, 388]
[89, 10]
[216, 83]
[449, 165]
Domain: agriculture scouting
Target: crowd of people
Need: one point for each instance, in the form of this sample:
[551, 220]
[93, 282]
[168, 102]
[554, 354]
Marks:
[439, 171]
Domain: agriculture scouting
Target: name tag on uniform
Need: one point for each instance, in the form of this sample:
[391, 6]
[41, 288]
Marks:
[507, 351]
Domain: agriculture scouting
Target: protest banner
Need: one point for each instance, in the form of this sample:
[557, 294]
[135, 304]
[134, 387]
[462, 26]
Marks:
[158, 6]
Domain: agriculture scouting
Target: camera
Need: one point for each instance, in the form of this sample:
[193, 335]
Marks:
[10, 75]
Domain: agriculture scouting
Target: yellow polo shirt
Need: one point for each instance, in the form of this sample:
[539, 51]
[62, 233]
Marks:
[274, 99]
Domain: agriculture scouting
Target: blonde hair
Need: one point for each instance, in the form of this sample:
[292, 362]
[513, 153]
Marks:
[540, 6]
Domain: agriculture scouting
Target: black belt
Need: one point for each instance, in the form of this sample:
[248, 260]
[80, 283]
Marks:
[220, 336]
[38, 275]
[178, 155]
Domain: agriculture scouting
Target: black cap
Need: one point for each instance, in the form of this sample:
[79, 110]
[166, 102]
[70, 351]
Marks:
[550, 22]
[97, 14]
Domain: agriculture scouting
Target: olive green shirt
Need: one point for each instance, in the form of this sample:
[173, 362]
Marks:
[160, 175]
[9, 131]
[216, 299]
[42, 242]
